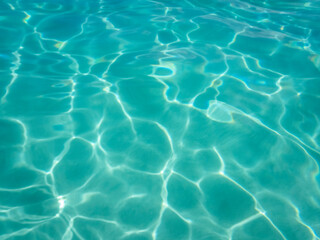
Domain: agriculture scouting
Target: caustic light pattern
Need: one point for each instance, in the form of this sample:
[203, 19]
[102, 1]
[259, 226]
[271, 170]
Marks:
[164, 120]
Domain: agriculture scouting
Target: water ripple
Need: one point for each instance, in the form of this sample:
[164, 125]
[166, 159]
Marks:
[159, 120]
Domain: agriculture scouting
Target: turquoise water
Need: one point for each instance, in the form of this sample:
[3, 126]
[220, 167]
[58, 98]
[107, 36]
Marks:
[167, 120]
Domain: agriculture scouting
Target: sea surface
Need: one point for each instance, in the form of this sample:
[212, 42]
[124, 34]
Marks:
[158, 119]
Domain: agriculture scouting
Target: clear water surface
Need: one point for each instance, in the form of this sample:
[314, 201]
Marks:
[158, 119]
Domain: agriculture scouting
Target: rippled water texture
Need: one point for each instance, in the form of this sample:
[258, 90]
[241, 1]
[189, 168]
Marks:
[167, 120]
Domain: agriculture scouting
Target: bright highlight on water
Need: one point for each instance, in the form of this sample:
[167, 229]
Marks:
[159, 120]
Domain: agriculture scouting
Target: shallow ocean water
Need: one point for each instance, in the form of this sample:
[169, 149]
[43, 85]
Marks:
[167, 120]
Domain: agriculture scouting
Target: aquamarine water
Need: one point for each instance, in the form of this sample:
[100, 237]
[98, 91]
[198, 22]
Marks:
[158, 119]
